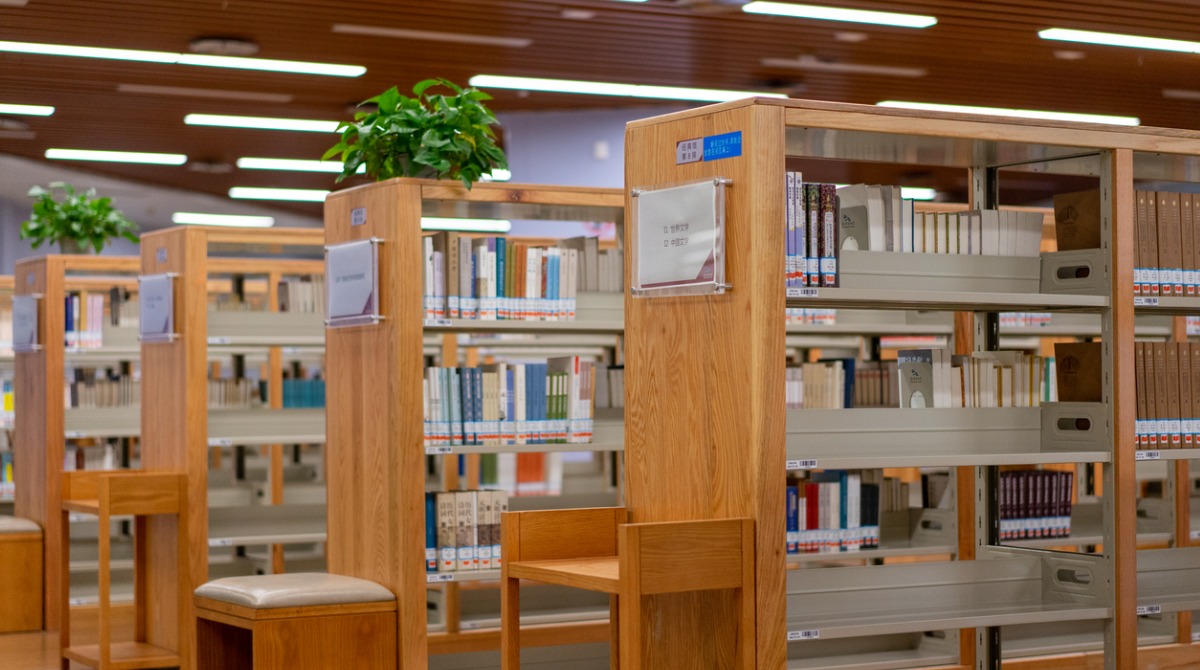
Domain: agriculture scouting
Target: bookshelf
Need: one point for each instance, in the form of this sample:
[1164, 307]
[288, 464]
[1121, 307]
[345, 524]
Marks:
[872, 604]
[225, 307]
[376, 459]
[43, 425]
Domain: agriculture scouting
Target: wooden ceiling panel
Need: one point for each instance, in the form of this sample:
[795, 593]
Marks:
[981, 52]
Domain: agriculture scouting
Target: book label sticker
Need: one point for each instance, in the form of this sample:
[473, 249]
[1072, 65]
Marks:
[1145, 301]
[219, 340]
[353, 283]
[725, 145]
[220, 442]
[1147, 455]
[438, 451]
[1143, 610]
[160, 255]
[358, 216]
[794, 635]
[1194, 535]
[689, 151]
[802, 292]
[25, 324]
[434, 578]
[806, 464]
[157, 308]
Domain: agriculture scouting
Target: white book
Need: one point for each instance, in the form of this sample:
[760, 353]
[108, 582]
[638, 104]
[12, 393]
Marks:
[902, 223]
[572, 278]
[466, 288]
[989, 232]
[908, 224]
[427, 285]
[953, 233]
[466, 529]
[439, 285]
[929, 244]
[789, 267]
[859, 228]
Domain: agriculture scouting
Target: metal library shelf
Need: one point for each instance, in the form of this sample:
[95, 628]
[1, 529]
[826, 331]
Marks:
[893, 437]
[265, 329]
[594, 313]
[882, 653]
[1066, 324]
[1087, 528]
[1168, 580]
[1076, 637]
[266, 524]
[250, 427]
[608, 435]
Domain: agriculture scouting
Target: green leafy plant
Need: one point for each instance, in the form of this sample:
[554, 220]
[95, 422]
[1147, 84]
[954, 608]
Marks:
[428, 135]
[79, 219]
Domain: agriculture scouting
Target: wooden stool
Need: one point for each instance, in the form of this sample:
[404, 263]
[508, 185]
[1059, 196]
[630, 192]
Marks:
[301, 621]
[20, 575]
[594, 549]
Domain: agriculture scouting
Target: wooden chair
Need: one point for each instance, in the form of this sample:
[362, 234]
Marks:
[20, 575]
[298, 621]
[106, 494]
[595, 549]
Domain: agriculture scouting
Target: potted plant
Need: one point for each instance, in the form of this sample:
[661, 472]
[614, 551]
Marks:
[78, 222]
[430, 135]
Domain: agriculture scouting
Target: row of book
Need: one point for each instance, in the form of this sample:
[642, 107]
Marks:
[936, 378]
[111, 390]
[833, 511]
[1035, 504]
[876, 218]
[228, 393]
[84, 320]
[7, 484]
[536, 474]
[501, 404]
[101, 457]
[1167, 252]
[462, 530]
[496, 278]
[875, 384]
[610, 386]
[1024, 319]
[811, 233]
[820, 385]
[1167, 378]
[305, 294]
[806, 316]
[303, 393]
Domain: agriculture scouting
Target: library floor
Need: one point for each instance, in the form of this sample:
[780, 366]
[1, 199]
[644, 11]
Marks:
[39, 651]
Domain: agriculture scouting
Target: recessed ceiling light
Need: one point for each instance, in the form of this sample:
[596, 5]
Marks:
[850, 37]
[296, 165]
[1018, 113]
[214, 93]
[142, 56]
[223, 46]
[28, 110]
[291, 194]
[261, 123]
[469, 225]
[578, 14]
[1180, 94]
[116, 156]
[1118, 40]
[839, 14]
[432, 36]
[814, 64]
[232, 220]
[1069, 54]
[609, 88]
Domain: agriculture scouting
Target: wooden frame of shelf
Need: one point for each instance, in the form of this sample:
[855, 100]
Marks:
[175, 416]
[38, 387]
[375, 463]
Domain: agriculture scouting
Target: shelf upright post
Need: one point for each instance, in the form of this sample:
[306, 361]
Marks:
[704, 428]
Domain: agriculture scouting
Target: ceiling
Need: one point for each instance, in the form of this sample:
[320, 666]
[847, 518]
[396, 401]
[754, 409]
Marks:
[980, 52]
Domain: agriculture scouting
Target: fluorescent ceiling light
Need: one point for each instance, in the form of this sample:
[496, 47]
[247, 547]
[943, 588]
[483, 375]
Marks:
[232, 220]
[1019, 113]
[186, 92]
[205, 60]
[469, 225]
[839, 14]
[1180, 94]
[261, 123]
[29, 110]
[607, 88]
[253, 163]
[116, 156]
[292, 194]
[497, 174]
[814, 64]
[1118, 40]
[917, 193]
[432, 36]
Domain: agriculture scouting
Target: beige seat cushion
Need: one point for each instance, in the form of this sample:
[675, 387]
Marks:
[303, 589]
[11, 525]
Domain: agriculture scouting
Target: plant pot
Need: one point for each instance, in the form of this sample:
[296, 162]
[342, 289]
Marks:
[68, 246]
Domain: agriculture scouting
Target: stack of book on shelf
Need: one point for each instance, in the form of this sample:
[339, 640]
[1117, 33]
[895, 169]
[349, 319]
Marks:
[1024, 319]
[90, 457]
[501, 404]
[304, 294]
[234, 393]
[303, 393]
[812, 233]
[875, 384]
[610, 386]
[102, 388]
[1167, 253]
[1035, 504]
[833, 511]
[1167, 377]
[935, 378]
[822, 385]
[462, 530]
[84, 320]
[494, 278]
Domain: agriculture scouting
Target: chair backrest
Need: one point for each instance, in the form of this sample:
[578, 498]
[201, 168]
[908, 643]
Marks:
[680, 556]
[559, 534]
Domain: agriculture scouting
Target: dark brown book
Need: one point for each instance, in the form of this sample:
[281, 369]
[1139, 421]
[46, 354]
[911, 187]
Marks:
[1184, 351]
[1150, 228]
[1077, 220]
[1170, 241]
[1161, 397]
[1139, 365]
[1187, 245]
[1173, 398]
[1079, 371]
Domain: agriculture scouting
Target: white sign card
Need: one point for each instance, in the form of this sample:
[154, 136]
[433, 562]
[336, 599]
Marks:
[352, 277]
[679, 243]
[25, 324]
[156, 301]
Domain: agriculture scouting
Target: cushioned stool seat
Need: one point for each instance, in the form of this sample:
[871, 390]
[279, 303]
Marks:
[20, 575]
[303, 621]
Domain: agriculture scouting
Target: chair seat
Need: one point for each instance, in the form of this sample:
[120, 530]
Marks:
[600, 573]
[15, 525]
[304, 589]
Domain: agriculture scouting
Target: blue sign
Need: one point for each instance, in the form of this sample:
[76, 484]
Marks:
[727, 145]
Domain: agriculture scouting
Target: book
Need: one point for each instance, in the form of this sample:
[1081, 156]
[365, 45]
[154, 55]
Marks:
[1077, 220]
[1079, 371]
[916, 378]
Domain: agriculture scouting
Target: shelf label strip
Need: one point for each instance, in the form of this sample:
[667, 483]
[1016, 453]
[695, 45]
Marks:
[796, 635]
